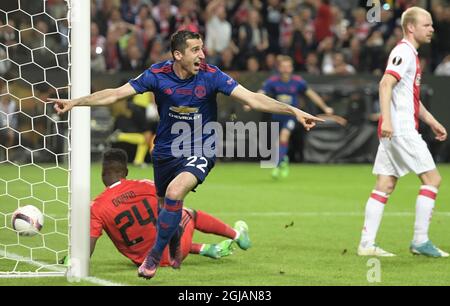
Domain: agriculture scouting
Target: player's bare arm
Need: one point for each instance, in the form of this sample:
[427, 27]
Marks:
[317, 100]
[437, 128]
[99, 98]
[93, 242]
[387, 83]
[263, 103]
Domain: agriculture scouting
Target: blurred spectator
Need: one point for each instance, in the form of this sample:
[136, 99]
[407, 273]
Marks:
[270, 63]
[129, 10]
[323, 20]
[142, 16]
[302, 42]
[112, 51]
[441, 41]
[312, 63]
[164, 15]
[228, 60]
[103, 14]
[8, 35]
[133, 60]
[253, 37]
[7, 106]
[325, 51]
[339, 67]
[272, 13]
[98, 45]
[339, 26]
[218, 31]
[443, 68]
[374, 53]
[387, 24]
[393, 40]
[58, 9]
[361, 26]
[252, 64]
[4, 65]
[186, 17]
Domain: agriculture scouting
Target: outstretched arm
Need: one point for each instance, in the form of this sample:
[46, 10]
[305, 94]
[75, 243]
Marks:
[263, 103]
[437, 128]
[317, 100]
[99, 98]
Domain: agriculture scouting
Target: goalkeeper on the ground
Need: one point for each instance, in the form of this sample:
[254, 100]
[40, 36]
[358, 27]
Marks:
[127, 210]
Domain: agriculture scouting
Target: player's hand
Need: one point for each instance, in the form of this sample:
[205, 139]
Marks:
[307, 120]
[328, 110]
[386, 130]
[247, 108]
[62, 105]
[440, 131]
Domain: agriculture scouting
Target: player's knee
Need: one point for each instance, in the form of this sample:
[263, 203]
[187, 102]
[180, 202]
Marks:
[174, 192]
[434, 181]
[386, 187]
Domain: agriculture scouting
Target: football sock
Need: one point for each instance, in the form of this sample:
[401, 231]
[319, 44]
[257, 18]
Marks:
[424, 210]
[196, 248]
[283, 150]
[168, 223]
[374, 213]
[211, 225]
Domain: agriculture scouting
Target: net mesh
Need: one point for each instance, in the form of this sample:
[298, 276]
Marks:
[34, 141]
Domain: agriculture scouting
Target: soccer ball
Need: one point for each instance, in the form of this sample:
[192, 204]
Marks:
[27, 220]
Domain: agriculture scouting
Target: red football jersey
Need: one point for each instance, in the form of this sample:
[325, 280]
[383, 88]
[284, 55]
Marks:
[128, 212]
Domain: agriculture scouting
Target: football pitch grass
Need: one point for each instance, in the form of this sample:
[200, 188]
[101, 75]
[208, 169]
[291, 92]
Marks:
[305, 230]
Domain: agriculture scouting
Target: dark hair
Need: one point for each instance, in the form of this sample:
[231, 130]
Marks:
[115, 160]
[178, 41]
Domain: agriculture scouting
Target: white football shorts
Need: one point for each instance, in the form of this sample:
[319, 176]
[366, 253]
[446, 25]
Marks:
[401, 155]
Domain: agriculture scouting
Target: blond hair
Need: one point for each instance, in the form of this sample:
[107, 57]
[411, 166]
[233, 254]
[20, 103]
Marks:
[284, 58]
[410, 16]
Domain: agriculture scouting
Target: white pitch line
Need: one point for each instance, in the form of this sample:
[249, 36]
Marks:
[319, 214]
[91, 279]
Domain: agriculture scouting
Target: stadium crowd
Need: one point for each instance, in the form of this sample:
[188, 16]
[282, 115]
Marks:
[322, 36]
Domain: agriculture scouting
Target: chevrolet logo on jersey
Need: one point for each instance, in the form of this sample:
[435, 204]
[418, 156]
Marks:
[287, 99]
[184, 109]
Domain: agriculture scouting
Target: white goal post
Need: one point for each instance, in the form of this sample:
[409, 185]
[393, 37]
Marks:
[44, 159]
[80, 140]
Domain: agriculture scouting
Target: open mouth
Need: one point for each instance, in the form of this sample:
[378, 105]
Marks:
[197, 65]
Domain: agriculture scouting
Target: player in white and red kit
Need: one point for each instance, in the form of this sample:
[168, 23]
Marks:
[128, 212]
[402, 149]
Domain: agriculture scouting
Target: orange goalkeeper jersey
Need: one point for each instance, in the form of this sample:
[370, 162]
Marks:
[127, 211]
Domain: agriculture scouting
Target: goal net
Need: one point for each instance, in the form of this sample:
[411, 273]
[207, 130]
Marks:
[35, 143]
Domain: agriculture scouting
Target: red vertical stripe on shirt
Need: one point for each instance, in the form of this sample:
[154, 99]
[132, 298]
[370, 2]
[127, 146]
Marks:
[416, 88]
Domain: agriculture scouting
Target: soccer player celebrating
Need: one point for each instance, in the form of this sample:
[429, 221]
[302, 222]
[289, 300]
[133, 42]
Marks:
[402, 148]
[127, 210]
[185, 90]
[286, 87]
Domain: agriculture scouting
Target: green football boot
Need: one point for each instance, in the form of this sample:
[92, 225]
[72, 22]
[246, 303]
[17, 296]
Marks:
[243, 240]
[276, 173]
[211, 251]
[226, 247]
[284, 167]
